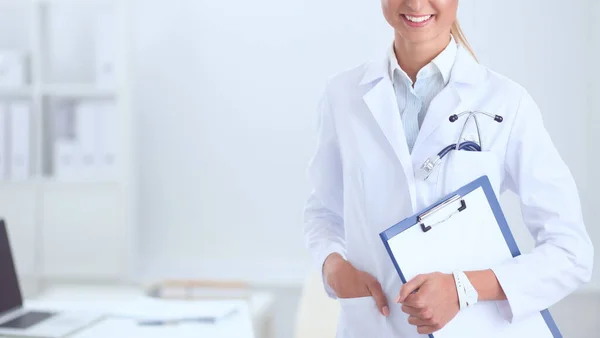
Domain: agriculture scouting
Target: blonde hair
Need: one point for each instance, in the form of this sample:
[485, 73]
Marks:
[460, 38]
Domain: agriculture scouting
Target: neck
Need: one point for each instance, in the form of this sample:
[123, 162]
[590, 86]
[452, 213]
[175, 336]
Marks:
[414, 56]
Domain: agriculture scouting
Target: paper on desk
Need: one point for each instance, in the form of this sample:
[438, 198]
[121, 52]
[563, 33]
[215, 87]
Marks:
[238, 326]
[149, 309]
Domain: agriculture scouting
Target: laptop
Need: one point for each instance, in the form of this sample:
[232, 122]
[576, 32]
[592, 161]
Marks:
[18, 320]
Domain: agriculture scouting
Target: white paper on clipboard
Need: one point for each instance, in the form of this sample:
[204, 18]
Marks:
[472, 239]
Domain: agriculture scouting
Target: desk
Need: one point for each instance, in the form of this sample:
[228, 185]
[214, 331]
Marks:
[253, 320]
[122, 328]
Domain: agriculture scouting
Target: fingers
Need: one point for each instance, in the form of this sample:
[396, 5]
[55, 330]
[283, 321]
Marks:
[415, 300]
[409, 310]
[419, 313]
[426, 329]
[416, 321]
[344, 279]
[422, 319]
[378, 295]
[410, 287]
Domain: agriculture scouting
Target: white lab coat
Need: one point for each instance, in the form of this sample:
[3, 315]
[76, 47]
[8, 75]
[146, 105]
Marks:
[363, 179]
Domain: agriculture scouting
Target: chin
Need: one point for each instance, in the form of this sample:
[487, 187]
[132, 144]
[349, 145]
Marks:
[417, 37]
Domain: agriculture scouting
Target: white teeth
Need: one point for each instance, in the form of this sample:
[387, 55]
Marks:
[417, 19]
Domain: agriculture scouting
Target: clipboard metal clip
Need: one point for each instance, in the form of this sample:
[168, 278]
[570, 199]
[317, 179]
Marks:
[421, 218]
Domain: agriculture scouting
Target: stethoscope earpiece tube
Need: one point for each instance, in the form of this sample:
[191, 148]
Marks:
[432, 163]
[467, 145]
[454, 117]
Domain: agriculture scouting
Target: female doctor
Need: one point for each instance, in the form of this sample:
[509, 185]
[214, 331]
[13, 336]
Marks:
[379, 122]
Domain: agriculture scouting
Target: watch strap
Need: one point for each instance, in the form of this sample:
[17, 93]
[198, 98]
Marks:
[460, 289]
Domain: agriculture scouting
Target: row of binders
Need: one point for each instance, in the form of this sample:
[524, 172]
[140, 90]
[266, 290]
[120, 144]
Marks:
[82, 146]
[85, 141]
[14, 141]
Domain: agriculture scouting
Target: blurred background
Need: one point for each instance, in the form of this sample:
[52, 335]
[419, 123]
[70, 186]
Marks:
[148, 140]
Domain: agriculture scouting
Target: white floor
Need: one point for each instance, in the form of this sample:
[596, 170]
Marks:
[578, 316]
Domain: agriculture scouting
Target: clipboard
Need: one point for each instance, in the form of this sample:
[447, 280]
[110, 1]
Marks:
[466, 230]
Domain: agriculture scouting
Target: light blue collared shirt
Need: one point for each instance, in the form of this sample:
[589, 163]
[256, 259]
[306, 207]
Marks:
[414, 99]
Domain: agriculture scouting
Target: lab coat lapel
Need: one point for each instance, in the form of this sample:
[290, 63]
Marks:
[454, 98]
[381, 101]
[440, 109]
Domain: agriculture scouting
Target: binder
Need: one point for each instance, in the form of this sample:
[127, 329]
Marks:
[65, 159]
[13, 69]
[65, 148]
[106, 140]
[19, 116]
[469, 228]
[86, 127]
[106, 56]
[63, 120]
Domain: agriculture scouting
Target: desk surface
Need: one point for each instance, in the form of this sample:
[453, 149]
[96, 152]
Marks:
[260, 303]
[104, 299]
[123, 328]
[238, 326]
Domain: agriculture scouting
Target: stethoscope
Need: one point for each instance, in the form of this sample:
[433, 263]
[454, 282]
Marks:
[431, 163]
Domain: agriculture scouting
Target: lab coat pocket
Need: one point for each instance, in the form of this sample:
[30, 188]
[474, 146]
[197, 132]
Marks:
[360, 318]
[463, 167]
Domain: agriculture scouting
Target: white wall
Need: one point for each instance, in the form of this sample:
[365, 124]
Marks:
[13, 32]
[551, 60]
[593, 201]
[227, 94]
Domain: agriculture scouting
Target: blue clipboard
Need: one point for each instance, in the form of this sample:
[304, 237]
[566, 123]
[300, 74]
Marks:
[415, 220]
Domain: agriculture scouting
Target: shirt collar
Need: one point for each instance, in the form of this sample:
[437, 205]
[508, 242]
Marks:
[442, 63]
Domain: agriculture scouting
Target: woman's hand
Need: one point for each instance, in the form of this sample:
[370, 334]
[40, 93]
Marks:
[349, 282]
[430, 300]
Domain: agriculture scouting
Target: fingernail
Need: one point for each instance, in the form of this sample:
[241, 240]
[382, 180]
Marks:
[386, 311]
[397, 300]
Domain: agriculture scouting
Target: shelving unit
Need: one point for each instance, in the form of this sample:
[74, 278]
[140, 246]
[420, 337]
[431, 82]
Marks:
[78, 91]
[72, 230]
[24, 92]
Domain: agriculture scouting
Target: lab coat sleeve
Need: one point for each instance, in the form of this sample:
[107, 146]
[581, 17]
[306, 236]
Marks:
[324, 224]
[563, 257]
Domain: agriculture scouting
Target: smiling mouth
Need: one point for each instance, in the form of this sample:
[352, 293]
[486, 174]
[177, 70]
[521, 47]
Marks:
[417, 20]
